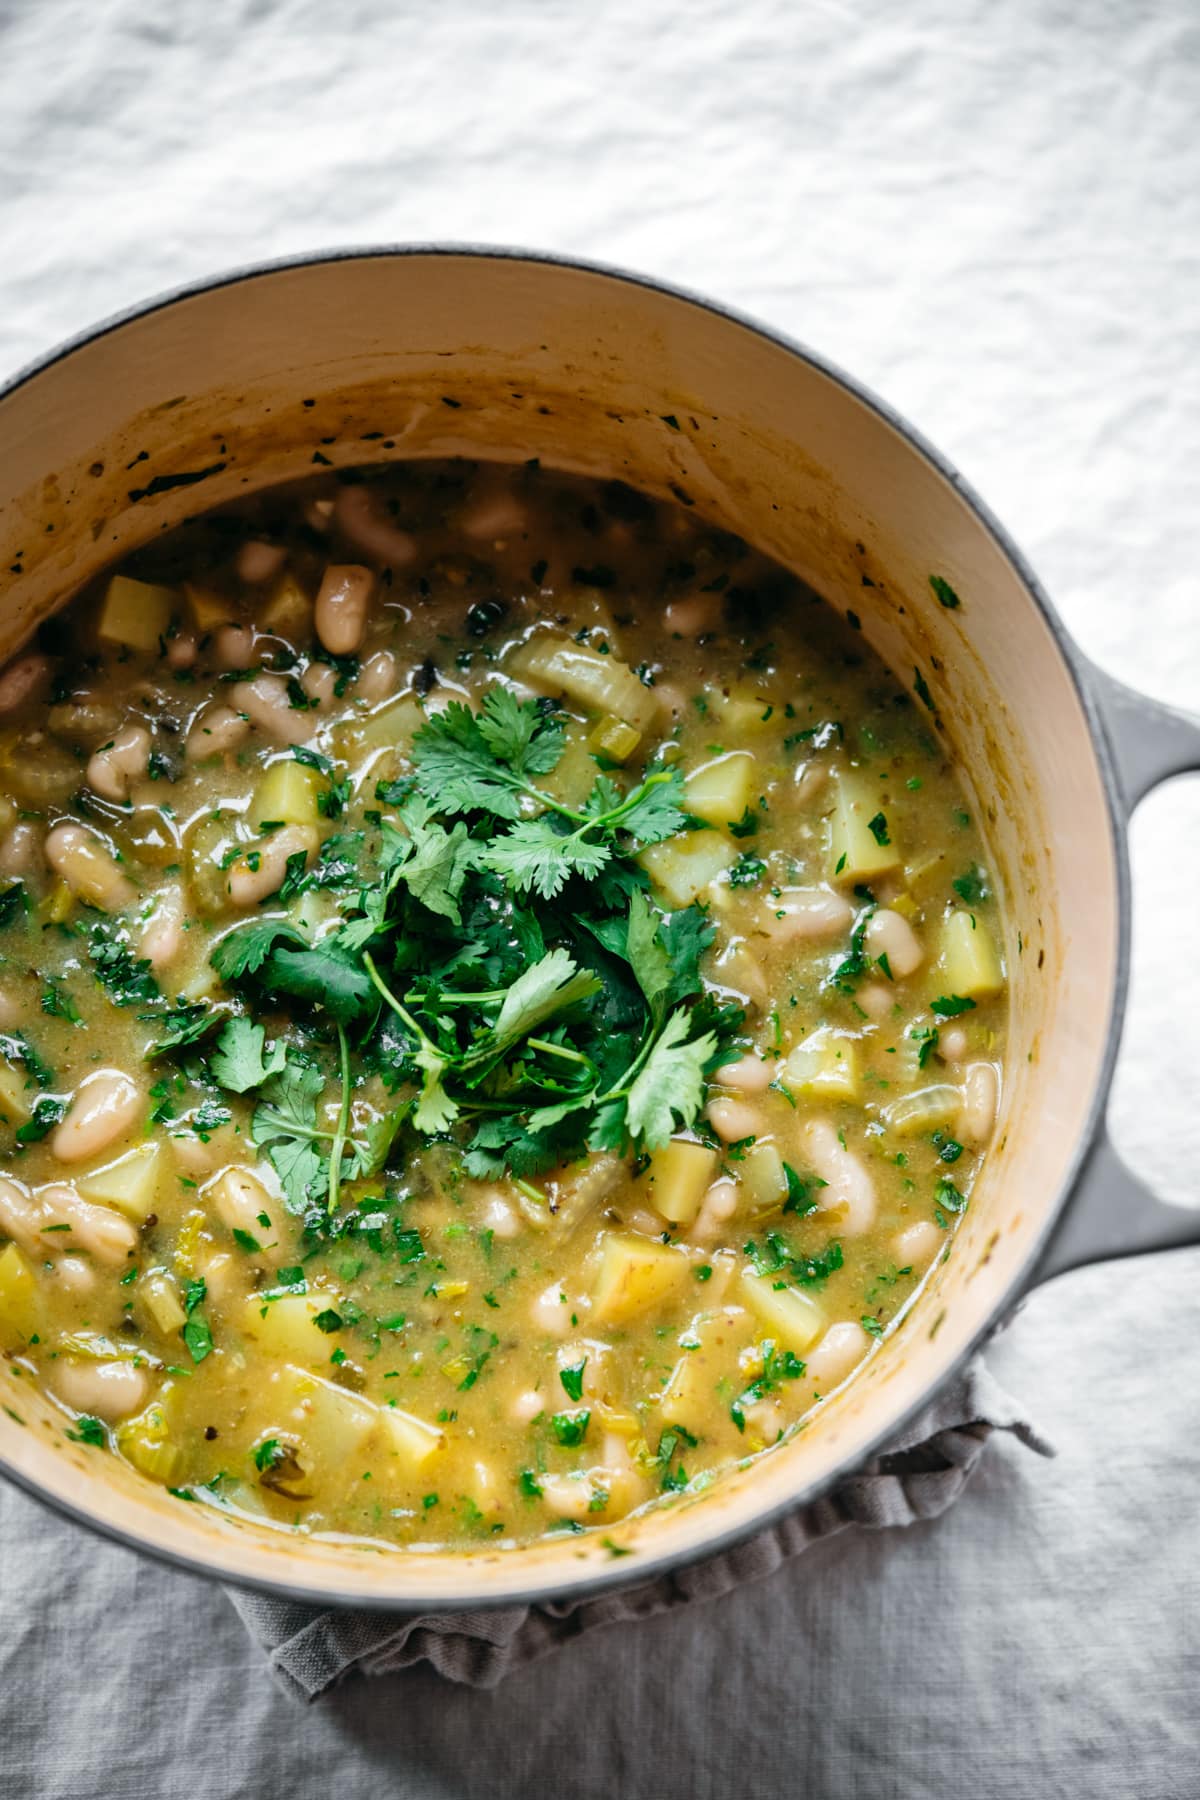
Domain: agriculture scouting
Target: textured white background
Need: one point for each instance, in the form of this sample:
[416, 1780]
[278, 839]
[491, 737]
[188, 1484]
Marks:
[991, 212]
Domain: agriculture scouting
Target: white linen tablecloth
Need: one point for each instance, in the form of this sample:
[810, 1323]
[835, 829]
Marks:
[992, 214]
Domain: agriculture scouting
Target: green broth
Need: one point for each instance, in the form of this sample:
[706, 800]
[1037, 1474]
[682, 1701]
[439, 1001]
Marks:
[286, 1265]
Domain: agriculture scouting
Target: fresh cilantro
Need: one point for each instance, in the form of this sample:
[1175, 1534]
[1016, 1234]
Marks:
[948, 1006]
[126, 977]
[570, 1428]
[47, 1113]
[572, 1379]
[747, 871]
[878, 828]
[89, 1430]
[945, 592]
[972, 887]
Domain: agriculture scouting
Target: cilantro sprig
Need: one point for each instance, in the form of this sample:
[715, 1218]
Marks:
[495, 960]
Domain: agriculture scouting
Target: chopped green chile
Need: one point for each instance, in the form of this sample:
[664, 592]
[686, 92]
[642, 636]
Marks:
[558, 971]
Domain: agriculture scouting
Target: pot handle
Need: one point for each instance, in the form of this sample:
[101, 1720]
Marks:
[1112, 1212]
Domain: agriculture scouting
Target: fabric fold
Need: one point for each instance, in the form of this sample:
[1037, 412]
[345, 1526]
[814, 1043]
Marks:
[923, 1474]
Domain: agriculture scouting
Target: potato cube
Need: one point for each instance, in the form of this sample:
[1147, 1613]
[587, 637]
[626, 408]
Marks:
[130, 1184]
[20, 1303]
[682, 867]
[209, 608]
[288, 793]
[861, 845]
[135, 614]
[16, 1091]
[720, 791]
[286, 1328]
[408, 1438]
[743, 711]
[969, 963]
[636, 1275]
[288, 611]
[824, 1067]
[688, 1395]
[790, 1316]
[678, 1178]
[329, 1425]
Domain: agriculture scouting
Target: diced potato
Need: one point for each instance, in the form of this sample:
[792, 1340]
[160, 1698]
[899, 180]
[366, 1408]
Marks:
[160, 1297]
[969, 962]
[329, 1425]
[288, 611]
[209, 608]
[559, 666]
[409, 1438]
[286, 1328]
[392, 726]
[678, 1178]
[855, 850]
[613, 739]
[148, 1442]
[636, 1275]
[15, 1091]
[20, 1305]
[720, 791]
[761, 1174]
[742, 712]
[682, 867]
[135, 613]
[688, 1395]
[824, 1067]
[923, 1110]
[130, 1184]
[289, 793]
[790, 1316]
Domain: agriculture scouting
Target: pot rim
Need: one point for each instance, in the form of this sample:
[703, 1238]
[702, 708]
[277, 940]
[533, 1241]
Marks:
[616, 1575]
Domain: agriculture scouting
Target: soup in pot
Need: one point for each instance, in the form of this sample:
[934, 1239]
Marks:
[501, 1005]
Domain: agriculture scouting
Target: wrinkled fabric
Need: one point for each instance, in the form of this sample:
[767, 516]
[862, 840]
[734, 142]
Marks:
[918, 1478]
[990, 213]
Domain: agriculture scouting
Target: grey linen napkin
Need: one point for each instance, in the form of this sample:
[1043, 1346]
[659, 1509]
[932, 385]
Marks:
[918, 1478]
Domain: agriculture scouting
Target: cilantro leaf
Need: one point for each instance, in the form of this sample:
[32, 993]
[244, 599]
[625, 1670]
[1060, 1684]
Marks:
[539, 854]
[670, 1085]
[240, 1061]
[243, 950]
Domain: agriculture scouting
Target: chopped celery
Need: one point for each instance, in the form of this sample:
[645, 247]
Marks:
[761, 1174]
[614, 739]
[557, 665]
[923, 1110]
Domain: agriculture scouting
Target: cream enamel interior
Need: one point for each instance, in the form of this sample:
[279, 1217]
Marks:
[357, 358]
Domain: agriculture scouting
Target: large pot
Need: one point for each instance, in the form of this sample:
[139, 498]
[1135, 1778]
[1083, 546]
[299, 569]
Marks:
[435, 352]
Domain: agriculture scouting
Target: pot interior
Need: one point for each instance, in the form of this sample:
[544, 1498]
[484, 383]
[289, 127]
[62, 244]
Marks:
[429, 353]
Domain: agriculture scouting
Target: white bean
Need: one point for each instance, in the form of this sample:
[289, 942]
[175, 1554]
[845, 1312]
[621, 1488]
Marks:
[88, 867]
[495, 515]
[232, 647]
[380, 674]
[916, 1246]
[105, 1390]
[876, 999]
[75, 1275]
[716, 1210]
[162, 934]
[217, 729]
[257, 562]
[249, 883]
[55, 1221]
[751, 1074]
[241, 1201]
[848, 1184]
[21, 680]
[692, 617]
[343, 600]
[221, 1275]
[804, 915]
[114, 768]
[981, 1096]
[551, 1311]
[21, 852]
[809, 779]
[841, 1349]
[890, 934]
[733, 1120]
[570, 1496]
[499, 1217]
[103, 1109]
[319, 682]
[369, 530]
[952, 1043]
[526, 1407]
[181, 650]
[266, 704]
